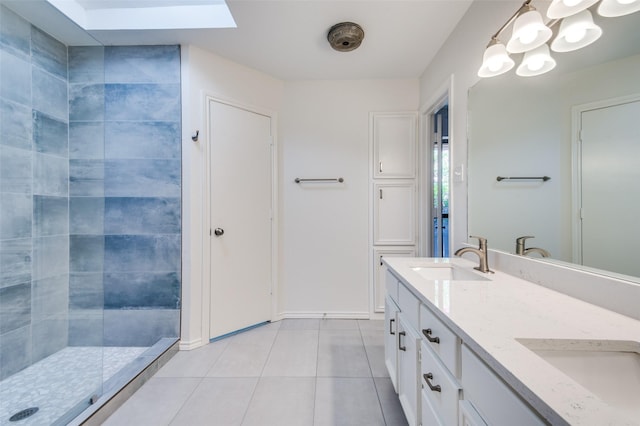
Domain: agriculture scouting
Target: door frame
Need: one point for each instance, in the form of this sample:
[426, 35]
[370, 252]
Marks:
[206, 207]
[576, 165]
[442, 97]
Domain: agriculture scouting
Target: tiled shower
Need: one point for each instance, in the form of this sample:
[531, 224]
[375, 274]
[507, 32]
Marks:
[90, 226]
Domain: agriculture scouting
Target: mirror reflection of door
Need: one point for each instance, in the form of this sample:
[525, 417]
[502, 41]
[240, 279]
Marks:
[440, 183]
[610, 178]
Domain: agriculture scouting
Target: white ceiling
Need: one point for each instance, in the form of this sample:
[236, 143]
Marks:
[287, 38]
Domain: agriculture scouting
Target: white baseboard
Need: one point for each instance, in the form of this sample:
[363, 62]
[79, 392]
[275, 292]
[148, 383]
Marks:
[189, 345]
[331, 315]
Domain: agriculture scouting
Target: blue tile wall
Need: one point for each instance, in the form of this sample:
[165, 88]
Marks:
[141, 290]
[50, 257]
[139, 253]
[134, 215]
[15, 33]
[48, 53]
[86, 178]
[142, 102]
[86, 64]
[50, 135]
[15, 221]
[49, 93]
[50, 216]
[86, 290]
[50, 175]
[50, 297]
[15, 307]
[15, 261]
[87, 253]
[15, 170]
[153, 139]
[15, 78]
[86, 215]
[142, 178]
[142, 64]
[86, 102]
[86, 140]
[139, 327]
[15, 351]
[15, 124]
[49, 336]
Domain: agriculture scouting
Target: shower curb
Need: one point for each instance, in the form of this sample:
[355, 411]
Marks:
[120, 388]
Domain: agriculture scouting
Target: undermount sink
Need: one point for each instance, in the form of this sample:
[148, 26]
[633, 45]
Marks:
[447, 273]
[608, 369]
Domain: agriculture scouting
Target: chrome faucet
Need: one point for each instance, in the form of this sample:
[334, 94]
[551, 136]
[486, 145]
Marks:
[481, 251]
[523, 251]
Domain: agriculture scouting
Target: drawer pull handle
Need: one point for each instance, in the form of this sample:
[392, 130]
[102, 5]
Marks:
[402, 348]
[391, 321]
[428, 377]
[427, 334]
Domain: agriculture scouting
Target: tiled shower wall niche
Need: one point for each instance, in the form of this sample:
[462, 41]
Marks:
[125, 210]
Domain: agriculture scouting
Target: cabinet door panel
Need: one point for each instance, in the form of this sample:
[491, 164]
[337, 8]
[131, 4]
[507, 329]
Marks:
[409, 371]
[391, 340]
[394, 213]
[379, 288]
[394, 145]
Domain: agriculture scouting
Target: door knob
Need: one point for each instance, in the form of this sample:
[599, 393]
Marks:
[218, 231]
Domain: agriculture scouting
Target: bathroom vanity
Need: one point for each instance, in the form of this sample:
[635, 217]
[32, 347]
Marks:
[469, 348]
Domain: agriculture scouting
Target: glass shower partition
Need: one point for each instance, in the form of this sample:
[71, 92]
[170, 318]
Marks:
[51, 232]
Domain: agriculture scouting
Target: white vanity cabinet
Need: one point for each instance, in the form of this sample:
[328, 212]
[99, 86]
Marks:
[440, 380]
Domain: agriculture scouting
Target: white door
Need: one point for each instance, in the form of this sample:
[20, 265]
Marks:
[610, 187]
[241, 197]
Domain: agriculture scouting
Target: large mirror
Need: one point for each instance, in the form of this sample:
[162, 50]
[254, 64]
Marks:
[527, 127]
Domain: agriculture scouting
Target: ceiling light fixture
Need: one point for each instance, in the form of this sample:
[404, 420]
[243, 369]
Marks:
[530, 34]
[345, 36]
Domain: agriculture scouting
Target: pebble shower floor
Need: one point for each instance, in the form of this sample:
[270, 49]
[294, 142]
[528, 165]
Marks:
[59, 382]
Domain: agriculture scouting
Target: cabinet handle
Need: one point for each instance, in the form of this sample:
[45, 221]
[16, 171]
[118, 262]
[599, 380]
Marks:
[391, 321]
[428, 377]
[380, 167]
[381, 194]
[402, 348]
[427, 334]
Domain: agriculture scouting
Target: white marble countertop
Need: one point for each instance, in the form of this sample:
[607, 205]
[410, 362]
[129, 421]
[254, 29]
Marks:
[490, 315]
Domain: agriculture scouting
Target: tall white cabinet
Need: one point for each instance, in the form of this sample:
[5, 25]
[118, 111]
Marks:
[393, 182]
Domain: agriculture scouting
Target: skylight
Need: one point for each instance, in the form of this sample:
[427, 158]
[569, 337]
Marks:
[146, 14]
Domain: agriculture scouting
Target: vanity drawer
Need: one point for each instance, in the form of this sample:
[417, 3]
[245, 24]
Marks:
[448, 344]
[496, 402]
[409, 306]
[392, 284]
[444, 400]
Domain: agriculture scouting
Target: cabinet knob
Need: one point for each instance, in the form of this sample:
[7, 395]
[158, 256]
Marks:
[427, 378]
[218, 232]
[427, 334]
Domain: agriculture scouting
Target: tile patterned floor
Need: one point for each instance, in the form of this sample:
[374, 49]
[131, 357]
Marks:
[291, 372]
[59, 382]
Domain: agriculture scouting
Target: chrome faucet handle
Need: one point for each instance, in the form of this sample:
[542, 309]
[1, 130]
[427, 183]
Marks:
[522, 239]
[482, 242]
[520, 244]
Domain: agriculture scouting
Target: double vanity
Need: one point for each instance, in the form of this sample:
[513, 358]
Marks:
[469, 348]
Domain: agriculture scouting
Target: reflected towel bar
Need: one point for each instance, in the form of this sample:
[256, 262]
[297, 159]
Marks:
[542, 178]
[300, 180]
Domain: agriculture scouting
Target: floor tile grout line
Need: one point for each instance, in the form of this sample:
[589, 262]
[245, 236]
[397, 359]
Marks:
[384, 419]
[186, 399]
[255, 388]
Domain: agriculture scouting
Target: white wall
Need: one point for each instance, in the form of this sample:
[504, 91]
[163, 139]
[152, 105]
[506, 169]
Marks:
[325, 247]
[459, 59]
[205, 73]
[322, 132]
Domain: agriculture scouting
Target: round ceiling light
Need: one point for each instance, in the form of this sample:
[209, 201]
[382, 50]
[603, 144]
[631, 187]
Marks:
[345, 36]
